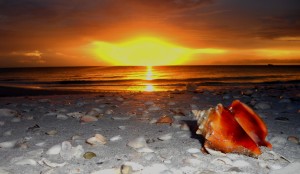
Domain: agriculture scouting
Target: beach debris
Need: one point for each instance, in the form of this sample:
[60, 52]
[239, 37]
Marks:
[235, 130]
[293, 139]
[8, 113]
[165, 120]
[89, 155]
[54, 150]
[8, 144]
[68, 151]
[98, 139]
[88, 119]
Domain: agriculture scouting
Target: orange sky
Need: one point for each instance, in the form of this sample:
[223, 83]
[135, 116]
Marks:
[75, 33]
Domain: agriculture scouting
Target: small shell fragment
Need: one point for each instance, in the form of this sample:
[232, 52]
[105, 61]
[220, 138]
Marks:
[164, 120]
[89, 155]
[97, 139]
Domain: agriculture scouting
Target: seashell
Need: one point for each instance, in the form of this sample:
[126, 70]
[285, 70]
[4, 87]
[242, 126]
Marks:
[89, 155]
[8, 113]
[136, 143]
[51, 164]
[62, 117]
[115, 138]
[88, 118]
[97, 139]
[164, 120]
[51, 132]
[293, 139]
[165, 137]
[193, 150]
[125, 169]
[54, 150]
[235, 130]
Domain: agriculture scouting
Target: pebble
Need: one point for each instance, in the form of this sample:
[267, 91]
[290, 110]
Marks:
[115, 138]
[89, 155]
[98, 139]
[165, 137]
[26, 162]
[136, 143]
[8, 144]
[88, 118]
[54, 150]
[62, 117]
[262, 106]
[193, 150]
[8, 113]
[293, 139]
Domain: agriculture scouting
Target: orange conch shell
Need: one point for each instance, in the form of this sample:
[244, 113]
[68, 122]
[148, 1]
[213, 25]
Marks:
[234, 130]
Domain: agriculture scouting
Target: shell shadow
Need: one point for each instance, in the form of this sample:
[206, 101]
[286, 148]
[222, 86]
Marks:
[192, 124]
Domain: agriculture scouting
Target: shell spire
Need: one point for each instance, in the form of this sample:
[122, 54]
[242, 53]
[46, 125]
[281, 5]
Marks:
[234, 130]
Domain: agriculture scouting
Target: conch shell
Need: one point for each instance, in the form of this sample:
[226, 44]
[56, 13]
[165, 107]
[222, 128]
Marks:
[235, 130]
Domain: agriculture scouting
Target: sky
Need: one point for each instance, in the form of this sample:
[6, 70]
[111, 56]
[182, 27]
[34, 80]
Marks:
[107, 32]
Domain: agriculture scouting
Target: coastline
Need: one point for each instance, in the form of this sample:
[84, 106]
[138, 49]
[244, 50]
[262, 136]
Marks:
[124, 116]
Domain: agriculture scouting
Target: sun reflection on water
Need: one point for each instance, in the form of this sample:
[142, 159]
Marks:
[149, 76]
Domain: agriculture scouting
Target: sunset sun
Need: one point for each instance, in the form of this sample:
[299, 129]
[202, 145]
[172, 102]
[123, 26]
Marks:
[142, 51]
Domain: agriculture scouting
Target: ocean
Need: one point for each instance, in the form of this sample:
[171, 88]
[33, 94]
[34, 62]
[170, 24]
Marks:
[139, 78]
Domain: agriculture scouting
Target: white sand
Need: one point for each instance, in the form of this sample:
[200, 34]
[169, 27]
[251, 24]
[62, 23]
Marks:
[42, 122]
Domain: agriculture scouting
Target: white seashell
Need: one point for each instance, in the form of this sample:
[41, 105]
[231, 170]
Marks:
[165, 137]
[121, 118]
[115, 138]
[135, 166]
[62, 117]
[137, 143]
[291, 168]
[97, 139]
[8, 113]
[68, 152]
[193, 150]
[7, 133]
[26, 162]
[51, 164]
[15, 120]
[240, 163]
[54, 150]
[214, 152]
[8, 144]
[144, 150]
[122, 127]
[41, 144]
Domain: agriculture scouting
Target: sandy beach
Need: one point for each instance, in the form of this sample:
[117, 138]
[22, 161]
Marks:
[116, 132]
